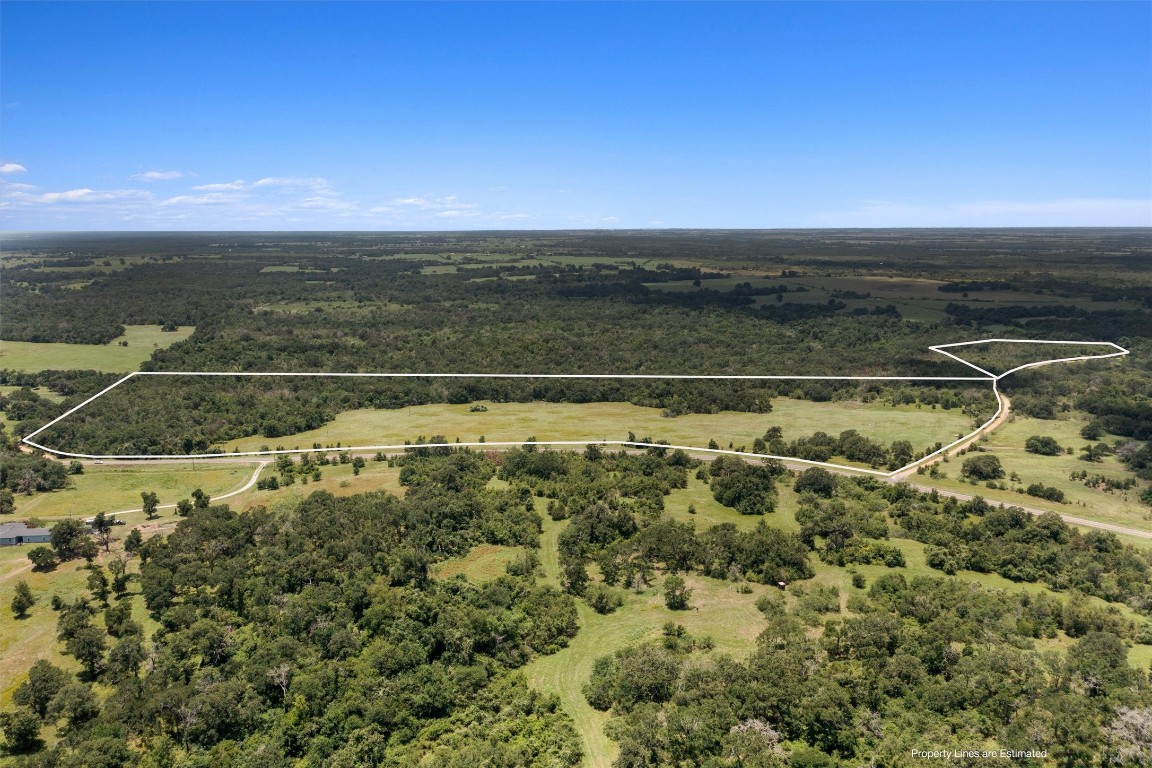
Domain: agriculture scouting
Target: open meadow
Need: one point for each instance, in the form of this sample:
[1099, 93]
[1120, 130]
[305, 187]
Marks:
[112, 357]
[117, 487]
[1120, 507]
[515, 422]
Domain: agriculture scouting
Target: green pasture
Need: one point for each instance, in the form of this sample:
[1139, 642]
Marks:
[483, 562]
[515, 422]
[142, 340]
[43, 392]
[337, 479]
[1007, 443]
[116, 487]
[25, 641]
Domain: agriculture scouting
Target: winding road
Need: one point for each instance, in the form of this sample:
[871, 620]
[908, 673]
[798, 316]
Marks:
[251, 482]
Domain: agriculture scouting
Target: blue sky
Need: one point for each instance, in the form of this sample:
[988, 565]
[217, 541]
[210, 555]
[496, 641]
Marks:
[393, 116]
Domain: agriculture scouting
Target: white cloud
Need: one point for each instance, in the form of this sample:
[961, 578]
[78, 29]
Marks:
[1068, 212]
[12, 168]
[148, 176]
[448, 202]
[238, 184]
[90, 196]
[293, 181]
[273, 201]
[211, 198]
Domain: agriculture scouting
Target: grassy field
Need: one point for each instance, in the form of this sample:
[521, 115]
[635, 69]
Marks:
[612, 421]
[483, 563]
[337, 479]
[111, 488]
[719, 611]
[142, 340]
[24, 641]
[1007, 442]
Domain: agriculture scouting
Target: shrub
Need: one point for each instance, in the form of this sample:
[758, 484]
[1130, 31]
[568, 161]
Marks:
[1092, 431]
[1043, 445]
[1041, 491]
[984, 467]
[603, 599]
[817, 480]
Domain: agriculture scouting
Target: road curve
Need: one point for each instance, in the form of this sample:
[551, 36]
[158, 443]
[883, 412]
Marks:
[251, 482]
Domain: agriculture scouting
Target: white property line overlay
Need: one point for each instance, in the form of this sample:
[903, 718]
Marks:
[939, 348]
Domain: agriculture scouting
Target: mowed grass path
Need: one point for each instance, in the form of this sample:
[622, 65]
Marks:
[719, 611]
[142, 340]
[515, 422]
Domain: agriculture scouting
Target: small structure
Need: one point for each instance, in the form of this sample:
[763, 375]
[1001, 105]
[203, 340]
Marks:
[12, 534]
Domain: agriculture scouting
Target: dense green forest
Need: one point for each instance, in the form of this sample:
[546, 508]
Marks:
[314, 630]
[566, 302]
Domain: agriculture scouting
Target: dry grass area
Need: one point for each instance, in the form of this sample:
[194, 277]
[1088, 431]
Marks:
[515, 422]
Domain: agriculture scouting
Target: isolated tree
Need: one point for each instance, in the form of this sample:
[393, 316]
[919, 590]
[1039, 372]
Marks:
[1092, 431]
[75, 467]
[357, 465]
[22, 600]
[200, 500]
[184, 508]
[102, 528]
[42, 558]
[67, 539]
[983, 467]
[151, 503]
[89, 549]
[676, 593]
